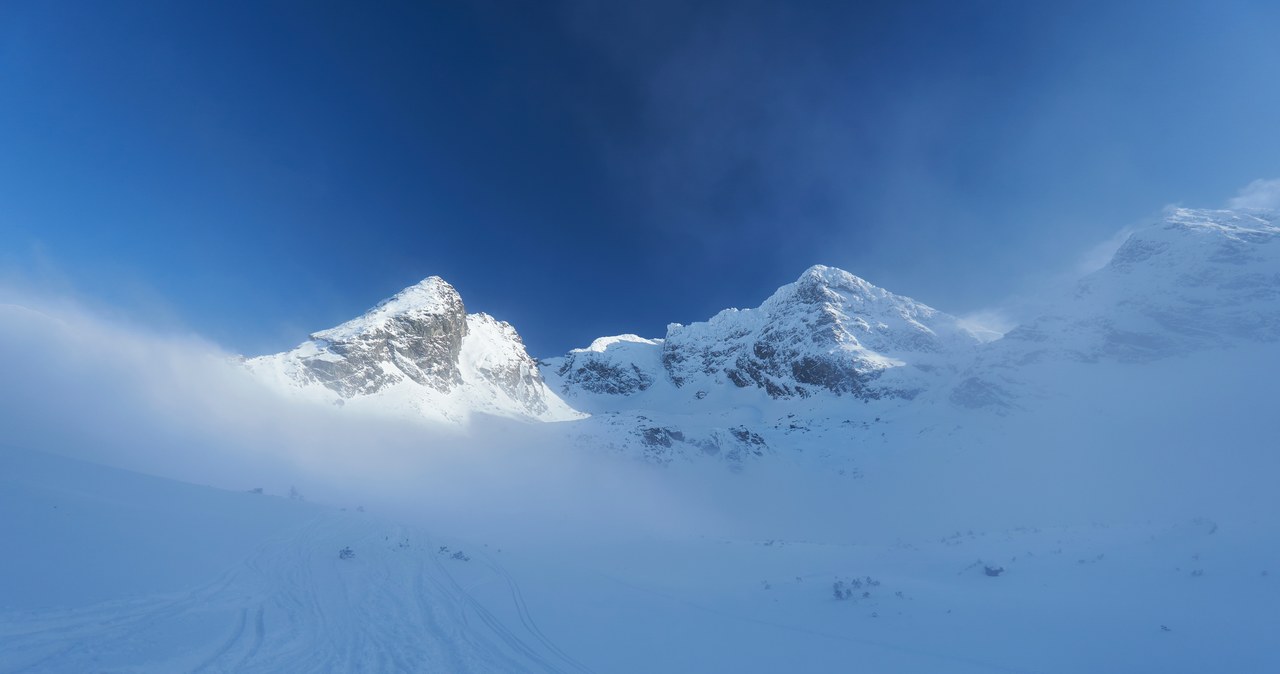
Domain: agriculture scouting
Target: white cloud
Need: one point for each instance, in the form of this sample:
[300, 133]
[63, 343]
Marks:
[178, 406]
[1259, 194]
[988, 324]
[1099, 255]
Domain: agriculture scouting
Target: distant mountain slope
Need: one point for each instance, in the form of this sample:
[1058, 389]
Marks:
[789, 376]
[824, 362]
[810, 360]
[829, 333]
[1197, 279]
[418, 354]
[1194, 280]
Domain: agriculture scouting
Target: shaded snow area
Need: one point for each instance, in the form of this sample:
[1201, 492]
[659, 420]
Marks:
[841, 479]
[113, 571]
[123, 572]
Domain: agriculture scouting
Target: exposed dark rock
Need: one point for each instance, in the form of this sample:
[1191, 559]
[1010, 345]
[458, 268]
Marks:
[423, 345]
[597, 376]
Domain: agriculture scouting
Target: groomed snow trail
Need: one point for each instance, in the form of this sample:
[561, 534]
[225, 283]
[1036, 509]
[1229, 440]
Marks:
[402, 603]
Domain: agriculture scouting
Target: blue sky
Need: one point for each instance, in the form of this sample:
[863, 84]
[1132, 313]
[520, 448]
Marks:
[252, 171]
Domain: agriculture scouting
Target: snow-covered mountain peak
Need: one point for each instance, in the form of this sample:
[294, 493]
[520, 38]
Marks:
[602, 344]
[419, 354]
[720, 387]
[432, 296]
[1197, 237]
[1190, 258]
[834, 279]
[830, 309]
[1193, 279]
[828, 332]
[1227, 222]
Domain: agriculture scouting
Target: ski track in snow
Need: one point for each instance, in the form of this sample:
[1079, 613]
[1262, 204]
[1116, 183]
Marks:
[397, 606]
[944, 662]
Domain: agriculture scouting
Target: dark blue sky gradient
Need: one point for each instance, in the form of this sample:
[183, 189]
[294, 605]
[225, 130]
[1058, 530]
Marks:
[253, 171]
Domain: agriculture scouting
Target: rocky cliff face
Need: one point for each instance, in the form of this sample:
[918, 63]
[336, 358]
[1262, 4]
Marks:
[494, 355]
[830, 360]
[623, 365]
[421, 354]
[416, 335]
[829, 332]
[823, 365]
[808, 361]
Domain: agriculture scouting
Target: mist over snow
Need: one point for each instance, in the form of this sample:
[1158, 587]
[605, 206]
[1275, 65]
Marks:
[655, 337]
[180, 407]
[839, 472]
[1259, 194]
[988, 324]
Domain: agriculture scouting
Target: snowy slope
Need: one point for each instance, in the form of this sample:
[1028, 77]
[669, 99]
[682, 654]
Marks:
[832, 362]
[1093, 492]
[1099, 570]
[420, 355]
[1196, 280]
[115, 571]
[830, 332]
[823, 356]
